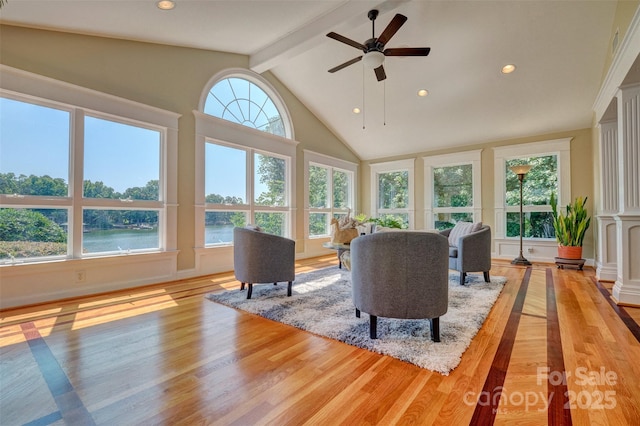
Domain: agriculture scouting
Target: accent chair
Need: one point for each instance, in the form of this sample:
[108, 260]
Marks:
[400, 275]
[259, 257]
[469, 249]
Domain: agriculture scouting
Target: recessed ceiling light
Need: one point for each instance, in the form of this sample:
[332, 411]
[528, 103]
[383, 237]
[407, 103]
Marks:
[166, 4]
[423, 92]
[356, 110]
[508, 69]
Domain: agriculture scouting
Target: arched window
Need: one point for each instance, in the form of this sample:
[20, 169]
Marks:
[240, 99]
[245, 150]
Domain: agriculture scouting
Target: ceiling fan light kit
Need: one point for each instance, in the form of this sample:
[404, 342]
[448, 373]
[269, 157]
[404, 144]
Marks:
[374, 48]
[373, 60]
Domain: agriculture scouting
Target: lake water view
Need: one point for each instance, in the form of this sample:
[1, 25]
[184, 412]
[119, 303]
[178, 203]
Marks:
[135, 239]
[218, 234]
[119, 240]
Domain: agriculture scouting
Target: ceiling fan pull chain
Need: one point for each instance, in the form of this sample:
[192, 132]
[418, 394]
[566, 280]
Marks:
[364, 109]
[384, 101]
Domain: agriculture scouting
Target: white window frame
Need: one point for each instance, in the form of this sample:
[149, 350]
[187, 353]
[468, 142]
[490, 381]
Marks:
[80, 102]
[331, 164]
[259, 81]
[210, 129]
[543, 249]
[250, 208]
[474, 158]
[407, 165]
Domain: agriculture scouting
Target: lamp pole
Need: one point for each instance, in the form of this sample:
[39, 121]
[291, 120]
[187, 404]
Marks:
[521, 171]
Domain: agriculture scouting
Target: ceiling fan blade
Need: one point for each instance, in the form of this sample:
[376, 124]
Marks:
[380, 74]
[348, 41]
[392, 28]
[407, 51]
[346, 64]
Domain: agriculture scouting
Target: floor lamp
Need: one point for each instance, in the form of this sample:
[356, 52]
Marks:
[520, 171]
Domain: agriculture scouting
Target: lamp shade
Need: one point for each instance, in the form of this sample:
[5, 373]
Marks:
[373, 59]
[520, 170]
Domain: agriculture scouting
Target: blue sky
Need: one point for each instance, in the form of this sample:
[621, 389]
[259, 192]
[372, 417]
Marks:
[21, 148]
[35, 140]
[227, 171]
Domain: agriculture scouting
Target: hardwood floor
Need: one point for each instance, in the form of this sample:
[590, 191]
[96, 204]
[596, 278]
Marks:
[552, 351]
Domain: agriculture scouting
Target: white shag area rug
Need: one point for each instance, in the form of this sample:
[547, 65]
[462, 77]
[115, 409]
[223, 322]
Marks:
[321, 304]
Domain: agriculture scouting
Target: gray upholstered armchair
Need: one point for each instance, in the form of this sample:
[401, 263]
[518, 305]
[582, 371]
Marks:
[470, 252]
[259, 257]
[400, 275]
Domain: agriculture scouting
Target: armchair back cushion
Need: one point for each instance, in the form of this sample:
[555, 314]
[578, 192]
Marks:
[461, 229]
[259, 257]
[400, 274]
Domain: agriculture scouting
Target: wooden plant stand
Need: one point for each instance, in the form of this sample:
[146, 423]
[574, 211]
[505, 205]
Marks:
[561, 262]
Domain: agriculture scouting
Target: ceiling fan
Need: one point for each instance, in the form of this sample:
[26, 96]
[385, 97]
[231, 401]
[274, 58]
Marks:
[374, 51]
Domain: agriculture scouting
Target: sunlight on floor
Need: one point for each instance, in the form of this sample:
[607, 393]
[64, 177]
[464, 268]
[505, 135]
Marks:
[131, 309]
[123, 298]
[7, 318]
[78, 316]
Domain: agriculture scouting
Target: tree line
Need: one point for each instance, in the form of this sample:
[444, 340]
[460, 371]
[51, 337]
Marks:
[23, 224]
[10, 183]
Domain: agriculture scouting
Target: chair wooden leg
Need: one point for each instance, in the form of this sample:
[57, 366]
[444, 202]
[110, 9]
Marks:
[249, 290]
[357, 313]
[373, 326]
[289, 288]
[435, 329]
[486, 277]
[463, 275]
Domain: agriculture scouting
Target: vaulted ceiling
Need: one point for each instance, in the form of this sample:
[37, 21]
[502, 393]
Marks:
[558, 47]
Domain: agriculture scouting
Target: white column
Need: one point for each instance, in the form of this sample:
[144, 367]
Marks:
[627, 287]
[606, 259]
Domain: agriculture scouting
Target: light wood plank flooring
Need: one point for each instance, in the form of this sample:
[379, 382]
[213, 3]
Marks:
[553, 350]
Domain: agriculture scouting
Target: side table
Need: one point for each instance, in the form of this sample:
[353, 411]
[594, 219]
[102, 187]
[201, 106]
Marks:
[339, 248]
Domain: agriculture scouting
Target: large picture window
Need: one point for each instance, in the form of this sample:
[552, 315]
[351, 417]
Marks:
[230, 174]
[52, 208]
[35, 145]
[392, 192]
[452, 189]
[244, 157]
[33, 233]
[550, 173]
[132, 176]
[330, 193]
[537, 187]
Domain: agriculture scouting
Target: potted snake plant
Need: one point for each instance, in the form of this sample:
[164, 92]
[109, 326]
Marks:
[570, 227]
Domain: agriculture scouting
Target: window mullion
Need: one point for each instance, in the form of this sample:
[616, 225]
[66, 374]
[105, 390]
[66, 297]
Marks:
[34, 201]
[250, 176]
[330, 200]
[76, 179]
